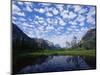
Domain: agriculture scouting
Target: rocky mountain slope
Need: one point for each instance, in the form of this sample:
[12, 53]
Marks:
[22, 42]
[89, 40]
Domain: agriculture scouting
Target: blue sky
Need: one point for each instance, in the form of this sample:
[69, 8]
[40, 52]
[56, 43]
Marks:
[57, 23]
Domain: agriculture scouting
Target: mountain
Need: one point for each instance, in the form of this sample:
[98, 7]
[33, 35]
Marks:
[89, 39]
[57, 46]
[20, 41]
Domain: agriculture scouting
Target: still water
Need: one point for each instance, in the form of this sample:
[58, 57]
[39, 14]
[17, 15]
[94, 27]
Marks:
[58, 63]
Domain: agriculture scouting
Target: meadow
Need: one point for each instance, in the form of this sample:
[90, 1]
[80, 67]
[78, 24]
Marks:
[71, 52]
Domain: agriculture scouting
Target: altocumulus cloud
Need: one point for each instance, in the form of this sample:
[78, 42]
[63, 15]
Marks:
[55, 22]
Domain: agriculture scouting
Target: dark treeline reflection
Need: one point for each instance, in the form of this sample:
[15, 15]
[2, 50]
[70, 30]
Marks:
[91, 61]
[53, 64]
[23, 62]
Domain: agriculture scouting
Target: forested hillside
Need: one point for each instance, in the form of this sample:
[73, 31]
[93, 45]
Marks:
[89, 40]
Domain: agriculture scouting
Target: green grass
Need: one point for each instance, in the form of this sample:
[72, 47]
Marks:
[72, 52]
[65, 52]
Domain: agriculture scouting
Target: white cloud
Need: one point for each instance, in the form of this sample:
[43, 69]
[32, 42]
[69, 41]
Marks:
[52, 21]
[47, 9]
[72, 15]
[73, 26]
[49, 28]
[84, 29]
[28, 8]
[60, 29]
[35, 9]
[36, 22]
[39, 33]
[61, 21]
[40, 19]
[15, 8]
[80, 18]
[36, 16]
[55, 11]
[68, 15]
[60, 7]
[76, 30]
[31, 34]
[58, 33]
[25, 24]
[55, 21]
[49, 21]
[20, 13]
[77, 8]
[69, 29]
[17, 22]
[45, 4]
[67, 32]
[30, 19]
[20, 3]
[91, 12]
[41, 28]
[41, 10]
[73, 22]
[23, 28]
[81, 24]
[28, 4]
[45, 24]
[48, 14]
[13, 21]
[14, 18]
[22, 19]
[83, 11]
[90, 20]
[17, 11]
[64, 14]
[69, 6]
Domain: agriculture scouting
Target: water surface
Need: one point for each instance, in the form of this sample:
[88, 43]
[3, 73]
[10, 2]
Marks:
[57, 63]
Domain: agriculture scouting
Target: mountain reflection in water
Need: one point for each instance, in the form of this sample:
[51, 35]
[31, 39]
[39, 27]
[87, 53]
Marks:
[57, 63]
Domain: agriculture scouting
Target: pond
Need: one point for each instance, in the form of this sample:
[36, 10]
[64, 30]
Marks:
[56, 63]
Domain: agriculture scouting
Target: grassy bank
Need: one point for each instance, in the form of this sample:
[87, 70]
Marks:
[62, 52]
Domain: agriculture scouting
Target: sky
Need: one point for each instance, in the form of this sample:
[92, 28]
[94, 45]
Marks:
[57, 23]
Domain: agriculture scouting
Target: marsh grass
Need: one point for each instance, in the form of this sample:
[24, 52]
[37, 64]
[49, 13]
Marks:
[72, 52]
